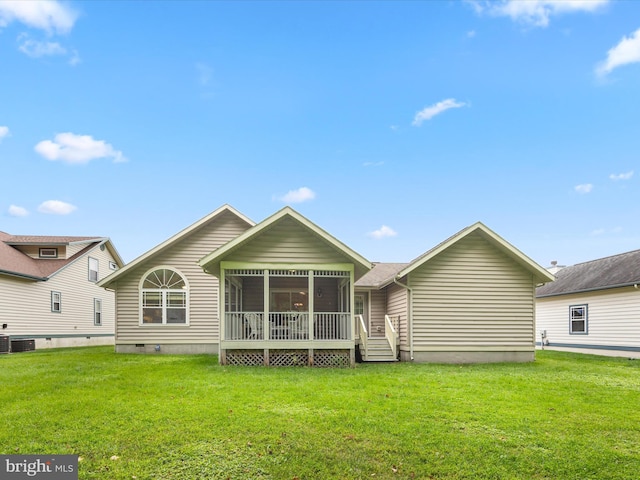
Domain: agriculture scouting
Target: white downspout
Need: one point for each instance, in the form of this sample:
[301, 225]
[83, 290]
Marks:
[409, 314]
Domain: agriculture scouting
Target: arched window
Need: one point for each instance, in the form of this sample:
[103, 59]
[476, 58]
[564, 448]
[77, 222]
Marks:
[164, 297]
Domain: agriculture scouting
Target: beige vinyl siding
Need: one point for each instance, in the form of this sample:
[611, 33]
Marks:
[183, 256]
[26, 306]
[378, 299]
[72, 250]
[397, 307]
[613, 318]
[63, 250]
[287, 242]
[472, 297]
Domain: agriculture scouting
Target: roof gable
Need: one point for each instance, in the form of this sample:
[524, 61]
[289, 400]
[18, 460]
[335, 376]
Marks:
[173, 240]
[16, 263]
[289, 218]
[492, 238]
[610, 272]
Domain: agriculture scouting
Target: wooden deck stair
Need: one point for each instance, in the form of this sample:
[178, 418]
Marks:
[378, 350]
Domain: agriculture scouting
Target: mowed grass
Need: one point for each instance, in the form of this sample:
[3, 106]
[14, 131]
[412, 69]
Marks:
[566, 416]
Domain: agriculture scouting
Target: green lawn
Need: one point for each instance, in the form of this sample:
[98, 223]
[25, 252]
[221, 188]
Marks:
[566, 416]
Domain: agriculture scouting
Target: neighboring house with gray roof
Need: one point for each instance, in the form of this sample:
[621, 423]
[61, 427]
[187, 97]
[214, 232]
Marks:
[49, 292]
[592, 305]
[285, 292]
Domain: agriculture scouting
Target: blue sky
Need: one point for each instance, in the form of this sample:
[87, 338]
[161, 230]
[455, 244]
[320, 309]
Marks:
[392, 125]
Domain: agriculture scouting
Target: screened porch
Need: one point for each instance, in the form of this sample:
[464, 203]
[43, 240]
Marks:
[282, 307]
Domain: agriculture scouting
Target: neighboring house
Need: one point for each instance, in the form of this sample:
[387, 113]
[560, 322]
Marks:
[285, 292]
[592, 305]
[49, 292]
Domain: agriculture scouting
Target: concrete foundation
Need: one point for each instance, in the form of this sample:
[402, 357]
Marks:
[468, 357]
[172, 349]
[72, 342]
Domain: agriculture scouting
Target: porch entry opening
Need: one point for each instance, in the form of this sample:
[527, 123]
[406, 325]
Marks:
[287, 305]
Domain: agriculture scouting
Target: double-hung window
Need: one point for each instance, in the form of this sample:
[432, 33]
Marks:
[93, 269]
[578, 317]
[97, 312]
[56, 302]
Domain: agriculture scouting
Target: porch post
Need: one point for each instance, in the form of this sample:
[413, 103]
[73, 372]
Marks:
[266, 334]
[352, 299]
[311, 306]
[222, 357]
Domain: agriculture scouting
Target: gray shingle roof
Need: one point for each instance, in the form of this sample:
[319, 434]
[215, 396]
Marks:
[380, 274]
[14, 262]
[609, 272]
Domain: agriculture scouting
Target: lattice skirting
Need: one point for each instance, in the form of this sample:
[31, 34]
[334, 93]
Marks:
[248, 358]
[331, 358]
[287, 358]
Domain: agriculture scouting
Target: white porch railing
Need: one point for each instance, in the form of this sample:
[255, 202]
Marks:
[244, 326]
[332, 326]
[364, 335]
[391, 334]
[288, 326]
[251, 326]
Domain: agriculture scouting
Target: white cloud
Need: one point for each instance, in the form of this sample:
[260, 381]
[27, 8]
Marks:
[300, 195]
[383, 232]
[621, 176]
[56, 207]
[471, 33]
[4, 131]
[536, 12]
[584, 188]
[205, 73]
[75, 58]
[625, 52]
[16, 211]
[50, 16]
[37, 48]
[77, 149]
[428, 113]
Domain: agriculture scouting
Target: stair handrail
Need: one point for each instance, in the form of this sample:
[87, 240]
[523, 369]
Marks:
[391, 334]
[364, 335]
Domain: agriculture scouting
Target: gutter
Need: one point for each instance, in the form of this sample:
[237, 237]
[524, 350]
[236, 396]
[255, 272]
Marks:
[24, 275]
[587, 290]
[409, 315]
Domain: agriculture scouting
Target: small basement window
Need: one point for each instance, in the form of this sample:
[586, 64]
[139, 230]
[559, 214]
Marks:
[48, 253]
[578, 319]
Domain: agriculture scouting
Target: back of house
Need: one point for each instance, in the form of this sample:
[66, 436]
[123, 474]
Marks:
[286, 292]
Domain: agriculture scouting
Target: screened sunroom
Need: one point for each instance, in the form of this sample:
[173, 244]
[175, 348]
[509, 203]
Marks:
[286, 294]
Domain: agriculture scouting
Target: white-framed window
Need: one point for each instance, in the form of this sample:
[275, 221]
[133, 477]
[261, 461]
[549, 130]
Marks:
[113, 265]
[164, 296]
[56, 302]
[578, 319]
[97, 312]
[93, 269]
[48, 253]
